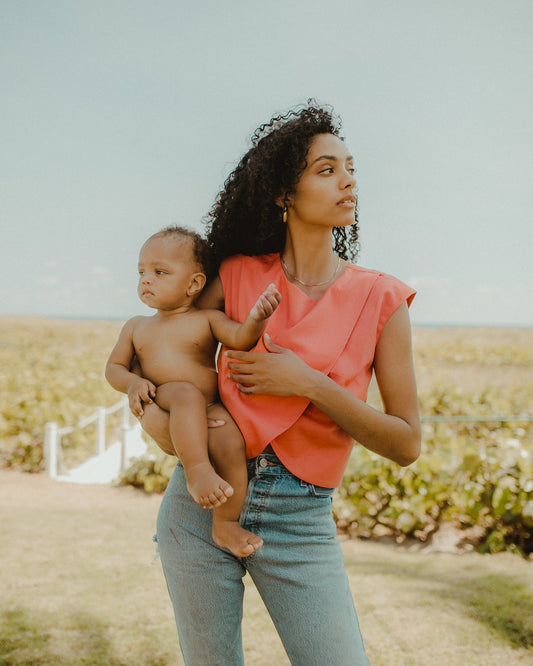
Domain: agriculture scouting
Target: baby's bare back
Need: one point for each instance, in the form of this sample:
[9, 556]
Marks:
[177, 347]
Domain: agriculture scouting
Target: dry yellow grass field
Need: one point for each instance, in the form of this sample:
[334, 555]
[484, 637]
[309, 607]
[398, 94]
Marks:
[473, 358]
[76, 585]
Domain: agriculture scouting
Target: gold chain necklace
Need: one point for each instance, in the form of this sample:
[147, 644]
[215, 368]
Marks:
[305, 284]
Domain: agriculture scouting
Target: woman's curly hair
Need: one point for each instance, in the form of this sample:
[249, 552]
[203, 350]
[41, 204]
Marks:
[245, 218]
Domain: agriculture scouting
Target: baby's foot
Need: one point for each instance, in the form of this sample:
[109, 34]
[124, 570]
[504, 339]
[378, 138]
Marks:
[206, 486]
[229, 534]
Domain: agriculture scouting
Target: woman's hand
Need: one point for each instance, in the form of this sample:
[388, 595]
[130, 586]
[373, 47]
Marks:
[280, 372]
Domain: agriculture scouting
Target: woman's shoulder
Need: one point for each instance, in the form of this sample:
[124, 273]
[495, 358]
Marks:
[246, 260]
[361, 272]
[250, 265]
[381, 284]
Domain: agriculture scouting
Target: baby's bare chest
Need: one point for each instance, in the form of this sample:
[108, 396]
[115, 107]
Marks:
[186, 335]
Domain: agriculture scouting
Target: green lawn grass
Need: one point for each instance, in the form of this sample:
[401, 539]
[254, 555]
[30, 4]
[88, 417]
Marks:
[78, 586]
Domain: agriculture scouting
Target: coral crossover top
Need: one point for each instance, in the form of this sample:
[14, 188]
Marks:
[336, 334]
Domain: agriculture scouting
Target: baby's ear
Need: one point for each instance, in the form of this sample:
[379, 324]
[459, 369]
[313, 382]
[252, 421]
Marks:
[196, 284]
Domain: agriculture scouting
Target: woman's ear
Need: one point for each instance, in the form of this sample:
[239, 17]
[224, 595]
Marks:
[196, 284]
[282, 201]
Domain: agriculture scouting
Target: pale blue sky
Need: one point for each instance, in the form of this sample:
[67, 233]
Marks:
[121, 117]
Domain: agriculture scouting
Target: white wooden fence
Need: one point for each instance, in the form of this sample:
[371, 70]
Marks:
[53, 434]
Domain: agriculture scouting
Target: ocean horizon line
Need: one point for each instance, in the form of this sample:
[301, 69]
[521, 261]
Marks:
[414, 323]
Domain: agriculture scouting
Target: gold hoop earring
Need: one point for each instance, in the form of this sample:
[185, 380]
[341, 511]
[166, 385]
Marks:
[285, 215]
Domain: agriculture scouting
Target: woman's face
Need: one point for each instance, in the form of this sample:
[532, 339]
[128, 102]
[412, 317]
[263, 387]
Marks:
[325, 193]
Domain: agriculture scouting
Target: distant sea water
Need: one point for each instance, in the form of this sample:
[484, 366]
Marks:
[415, 324]
[470, 325]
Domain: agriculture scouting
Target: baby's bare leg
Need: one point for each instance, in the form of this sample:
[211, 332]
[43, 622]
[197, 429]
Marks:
[188, 432]
[227, 452]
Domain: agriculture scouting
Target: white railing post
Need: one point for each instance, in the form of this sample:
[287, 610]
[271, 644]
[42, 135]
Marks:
[125, 426]
[50, 449]
[100, 424]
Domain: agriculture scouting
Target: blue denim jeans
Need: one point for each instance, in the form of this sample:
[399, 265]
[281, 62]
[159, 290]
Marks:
[299, 572]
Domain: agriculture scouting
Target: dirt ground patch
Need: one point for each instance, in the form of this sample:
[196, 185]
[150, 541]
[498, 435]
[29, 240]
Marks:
[76, 586]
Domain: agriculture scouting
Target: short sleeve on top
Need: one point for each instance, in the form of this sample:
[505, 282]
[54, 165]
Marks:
[393, 293]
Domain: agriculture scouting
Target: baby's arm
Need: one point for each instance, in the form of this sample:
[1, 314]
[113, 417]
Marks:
[120, 377]
[244, 336]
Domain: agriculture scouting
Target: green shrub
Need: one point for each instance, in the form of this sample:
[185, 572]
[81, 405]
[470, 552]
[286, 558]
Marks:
[51, 371]
[150, 472]
[475, 475]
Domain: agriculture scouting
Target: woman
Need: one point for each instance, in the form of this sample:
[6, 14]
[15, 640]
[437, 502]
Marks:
[287, 215]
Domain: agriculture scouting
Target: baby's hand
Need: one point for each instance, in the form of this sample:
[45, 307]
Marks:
[266, 303]
[140, 390]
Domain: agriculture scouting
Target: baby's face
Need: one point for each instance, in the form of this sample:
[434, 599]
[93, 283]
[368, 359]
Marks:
[166, 266]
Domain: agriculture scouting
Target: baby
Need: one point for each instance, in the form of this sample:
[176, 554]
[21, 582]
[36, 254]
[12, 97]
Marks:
[176, 351]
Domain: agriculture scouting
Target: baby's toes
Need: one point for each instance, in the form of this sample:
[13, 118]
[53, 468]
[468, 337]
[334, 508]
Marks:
[227, 491]
[214, 501]
[204, 503]
[218, 496]
[207, 501]
[248, 549]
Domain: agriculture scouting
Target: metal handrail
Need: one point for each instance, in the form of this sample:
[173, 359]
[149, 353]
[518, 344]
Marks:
[53, 434]
[477, 419]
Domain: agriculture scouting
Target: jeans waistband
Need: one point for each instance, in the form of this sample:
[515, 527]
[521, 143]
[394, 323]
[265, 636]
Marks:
[267, 462]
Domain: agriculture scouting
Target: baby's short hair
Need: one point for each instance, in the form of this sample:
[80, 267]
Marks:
[200, 248]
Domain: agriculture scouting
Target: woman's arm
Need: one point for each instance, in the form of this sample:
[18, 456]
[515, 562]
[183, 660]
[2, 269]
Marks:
[394, 434]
